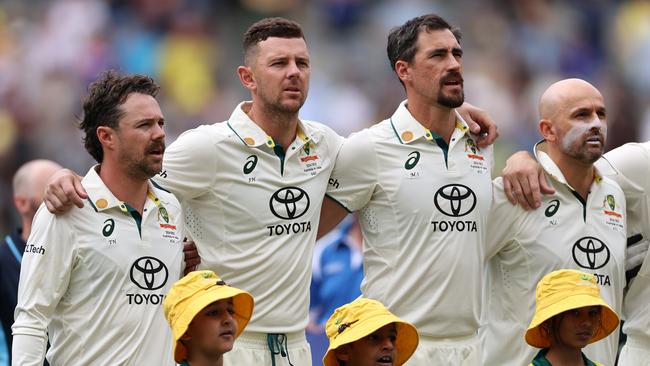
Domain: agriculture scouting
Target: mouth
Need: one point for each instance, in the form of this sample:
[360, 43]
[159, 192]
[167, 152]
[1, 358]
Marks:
[595, 140]
[452, 80]
[585, 336]
[227, 334]
[156, 149]
[385, 361]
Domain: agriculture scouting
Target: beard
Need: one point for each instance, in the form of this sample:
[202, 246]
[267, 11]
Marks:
[451, 100]
[574, 144]
[141, 167]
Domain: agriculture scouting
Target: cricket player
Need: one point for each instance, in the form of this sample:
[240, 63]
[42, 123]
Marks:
[581, 226]
[252, 188]
[423, 189]
[629, 166]
[94, 278]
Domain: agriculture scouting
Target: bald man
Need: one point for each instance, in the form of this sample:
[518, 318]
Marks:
[581, 226]
[28, 185]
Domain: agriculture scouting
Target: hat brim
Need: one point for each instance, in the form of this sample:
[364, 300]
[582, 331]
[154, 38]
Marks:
[405, 344]
[242, 305]
[608, 318]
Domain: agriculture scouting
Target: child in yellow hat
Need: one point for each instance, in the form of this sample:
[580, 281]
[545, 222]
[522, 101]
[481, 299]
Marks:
[364, 332]
[206, 316]
[569, 315]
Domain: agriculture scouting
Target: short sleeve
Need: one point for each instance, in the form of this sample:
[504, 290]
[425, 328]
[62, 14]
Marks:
[354, 177]
[189, 164]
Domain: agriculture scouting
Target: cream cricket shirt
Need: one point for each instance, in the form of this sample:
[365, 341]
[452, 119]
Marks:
[564, 232]
[423, 213]
[94, 279]
[253, 211]
[631, 163]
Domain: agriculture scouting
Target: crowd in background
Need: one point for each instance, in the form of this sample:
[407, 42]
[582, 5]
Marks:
[51, 50]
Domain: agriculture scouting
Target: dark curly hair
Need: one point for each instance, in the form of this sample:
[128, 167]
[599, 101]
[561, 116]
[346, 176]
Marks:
[101, 106]
[269, 27]
[402, 40]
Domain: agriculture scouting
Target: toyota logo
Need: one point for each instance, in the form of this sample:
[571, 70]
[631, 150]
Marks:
[149, 273]
[455, 200]
[590, 253]
[289, 203]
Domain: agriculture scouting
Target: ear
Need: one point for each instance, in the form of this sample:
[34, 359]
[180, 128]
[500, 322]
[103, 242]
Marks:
[547, 130]
[343, 352]
[22, 205]
[106, 136]
[246, 77]
[185, 337]
[402, 70]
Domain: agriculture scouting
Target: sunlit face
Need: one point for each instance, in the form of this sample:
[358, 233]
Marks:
[576, 327]
[581, 125]
[281, 70]
[140, 136]
[436, 68]
[213, 330]
[376, 349]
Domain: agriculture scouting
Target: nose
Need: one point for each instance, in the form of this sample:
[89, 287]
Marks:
[228, 318]
[453, 63]
[388, 344]
[158, 132]
[293, 70]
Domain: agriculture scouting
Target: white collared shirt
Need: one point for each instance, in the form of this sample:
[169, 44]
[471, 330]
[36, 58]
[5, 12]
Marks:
[423, 219]
[564, 232]
[94, 279]
[252, 212]
[631, 163]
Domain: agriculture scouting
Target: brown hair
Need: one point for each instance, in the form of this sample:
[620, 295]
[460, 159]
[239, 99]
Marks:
[269, 27]
[101, 106]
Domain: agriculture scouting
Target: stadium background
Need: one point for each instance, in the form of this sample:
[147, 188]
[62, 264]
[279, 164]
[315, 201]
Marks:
[51, 50]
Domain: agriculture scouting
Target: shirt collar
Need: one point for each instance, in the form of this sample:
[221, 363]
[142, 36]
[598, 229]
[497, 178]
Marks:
[552, 169]
[253, 135]
[102, 198]
[408, 129]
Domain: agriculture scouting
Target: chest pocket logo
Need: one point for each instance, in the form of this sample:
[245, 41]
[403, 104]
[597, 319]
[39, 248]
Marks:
[251, 163]
[108, 227]
[412, 161]
[552, 208]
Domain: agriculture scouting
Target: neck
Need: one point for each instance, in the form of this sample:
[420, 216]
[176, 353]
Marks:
[436, 118]
[27, 227]
[129, 189]
[564, 356]
[281, 126]
[578, 174]
[205, 360]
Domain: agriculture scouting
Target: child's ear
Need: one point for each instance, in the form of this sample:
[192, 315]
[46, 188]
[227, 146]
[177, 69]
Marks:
[186, 337]
[343, 353]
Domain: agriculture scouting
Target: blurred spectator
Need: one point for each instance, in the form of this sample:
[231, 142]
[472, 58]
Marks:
[28, 187]
[336, 279]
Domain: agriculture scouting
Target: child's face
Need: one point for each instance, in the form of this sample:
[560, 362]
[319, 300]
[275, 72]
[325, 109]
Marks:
[213, 329]
[578, 326]
[376, 349]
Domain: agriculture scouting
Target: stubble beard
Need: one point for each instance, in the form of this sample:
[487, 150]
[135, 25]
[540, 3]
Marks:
[451, 100]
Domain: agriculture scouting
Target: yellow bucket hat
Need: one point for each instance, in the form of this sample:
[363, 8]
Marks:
[564, 290]
[362, 317]
[189, 295]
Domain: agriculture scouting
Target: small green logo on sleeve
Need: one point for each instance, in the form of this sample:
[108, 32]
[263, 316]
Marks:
[109, 226]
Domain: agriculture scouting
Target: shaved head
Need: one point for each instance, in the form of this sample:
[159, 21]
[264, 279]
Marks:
[31, 178]
[573, 120]
[562, 94]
